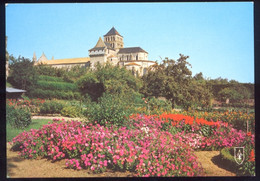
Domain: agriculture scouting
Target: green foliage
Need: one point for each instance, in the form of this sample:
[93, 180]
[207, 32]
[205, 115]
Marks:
[110, 109]
[172, 79]
[228, 93]
[17, 117]
[50, 94]
[50, 78]
[48, 85]
[43, 69]
[71, 111]
[51, 107]
[22, 73]
[157, 106]
[109, 79]
[90, 85]
[73, 74]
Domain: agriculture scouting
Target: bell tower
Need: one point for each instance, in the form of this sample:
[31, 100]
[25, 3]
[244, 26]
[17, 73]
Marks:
[115, 40]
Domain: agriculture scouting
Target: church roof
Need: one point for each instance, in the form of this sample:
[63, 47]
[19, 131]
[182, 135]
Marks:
[67, 61]
[131, 50]
[43, 57]
[101, 45]
[112, 32]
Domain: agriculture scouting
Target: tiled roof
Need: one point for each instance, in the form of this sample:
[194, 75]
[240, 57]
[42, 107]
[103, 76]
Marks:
[112, 32]
[97, 48]
[131, 50]
[101, 45]
[67, 61]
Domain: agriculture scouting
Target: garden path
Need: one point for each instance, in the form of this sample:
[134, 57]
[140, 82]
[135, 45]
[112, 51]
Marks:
[211, 164]
[52, 117]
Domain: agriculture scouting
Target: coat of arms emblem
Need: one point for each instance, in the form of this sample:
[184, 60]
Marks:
[239, 155]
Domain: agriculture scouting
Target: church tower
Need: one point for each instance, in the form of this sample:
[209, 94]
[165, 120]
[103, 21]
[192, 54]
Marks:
[34, 57]
[114, 39]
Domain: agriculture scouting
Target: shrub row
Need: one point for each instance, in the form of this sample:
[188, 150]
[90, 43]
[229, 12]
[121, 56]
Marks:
[48, 85]
[50, 94]
[58, 107]
[50, 78]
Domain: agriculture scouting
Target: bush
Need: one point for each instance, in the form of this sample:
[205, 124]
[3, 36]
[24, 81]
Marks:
[50, 78]
[51, 107]
[18, 117]
[56, 85]
[110, 109]
[50, 94]
[71, 111]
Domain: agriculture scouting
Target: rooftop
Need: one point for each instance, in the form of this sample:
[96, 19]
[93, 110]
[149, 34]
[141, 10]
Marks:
[66, 61]
[131, 50]
[112, 32]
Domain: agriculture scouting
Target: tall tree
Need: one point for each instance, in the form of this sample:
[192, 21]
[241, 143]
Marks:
[109, 79]
[22, 73]
[173, 80]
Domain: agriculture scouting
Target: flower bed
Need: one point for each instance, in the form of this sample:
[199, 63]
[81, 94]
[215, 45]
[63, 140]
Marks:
[32, 105]
[148, 146]
[141, 148]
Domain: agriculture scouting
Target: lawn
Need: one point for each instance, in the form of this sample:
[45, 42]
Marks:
[36, 124]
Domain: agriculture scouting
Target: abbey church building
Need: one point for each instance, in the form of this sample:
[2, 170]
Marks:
[110, 49]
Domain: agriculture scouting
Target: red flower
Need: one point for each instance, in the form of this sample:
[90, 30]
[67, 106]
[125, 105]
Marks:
[249, 134]
[252, 156]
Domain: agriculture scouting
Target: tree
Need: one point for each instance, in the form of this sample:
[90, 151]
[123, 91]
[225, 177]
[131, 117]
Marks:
[199, 76]
[173, 80]
[229, 93]
[109, 79]
[22, 73]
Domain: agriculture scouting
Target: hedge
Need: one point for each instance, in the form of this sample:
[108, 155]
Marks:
[50, 78]
[48, 85]
[50, 94]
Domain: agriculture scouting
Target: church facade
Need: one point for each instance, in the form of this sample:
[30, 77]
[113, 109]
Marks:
[110, 50]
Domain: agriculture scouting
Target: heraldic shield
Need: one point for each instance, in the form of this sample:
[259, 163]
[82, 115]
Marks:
[239, 155]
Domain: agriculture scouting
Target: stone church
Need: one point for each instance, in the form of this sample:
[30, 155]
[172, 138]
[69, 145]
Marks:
[111, 50]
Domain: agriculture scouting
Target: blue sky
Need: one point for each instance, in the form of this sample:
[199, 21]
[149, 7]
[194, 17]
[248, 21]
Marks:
[218, 37]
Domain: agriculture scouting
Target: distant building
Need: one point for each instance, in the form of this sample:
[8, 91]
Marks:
[111, 50]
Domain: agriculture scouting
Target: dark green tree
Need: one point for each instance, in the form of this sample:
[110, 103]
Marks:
[173, 80]
[109, 79]
[22, 73]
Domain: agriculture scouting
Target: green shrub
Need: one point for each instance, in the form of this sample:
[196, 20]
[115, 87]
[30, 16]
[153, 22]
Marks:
[18, 117]
[110, 109]
[50, 78]
[157, 106]
[50, 94]
[51, 107]
[71, 111]
[56, 85]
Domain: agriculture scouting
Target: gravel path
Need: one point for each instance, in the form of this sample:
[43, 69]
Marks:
[58, 117]
[211, 164]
